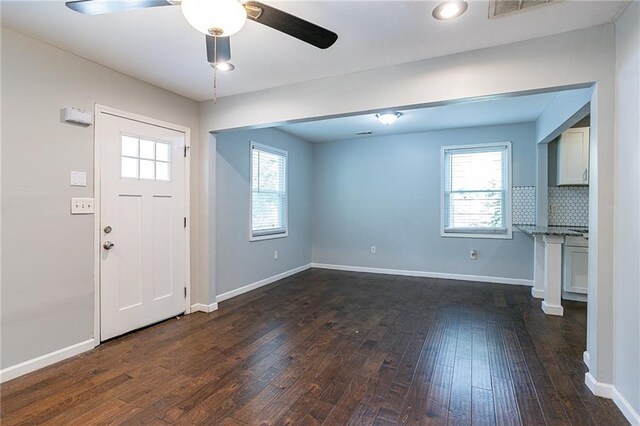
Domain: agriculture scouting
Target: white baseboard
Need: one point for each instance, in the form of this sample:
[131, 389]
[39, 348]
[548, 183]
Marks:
[261, 283]
[605, 390]
[459, 277]
[609, 391]
[586, 358]
[201, 307]
[45, 360]
[632, 415]
[574, 297]
[552, 309]
[537, 294]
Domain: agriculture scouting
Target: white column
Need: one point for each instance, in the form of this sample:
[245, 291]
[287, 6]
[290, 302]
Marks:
[537, 290]
[552, 303]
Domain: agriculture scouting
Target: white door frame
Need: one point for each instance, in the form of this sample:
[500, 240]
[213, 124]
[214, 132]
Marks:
[97, 147]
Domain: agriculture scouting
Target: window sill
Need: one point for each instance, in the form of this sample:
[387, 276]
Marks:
[268, 237]
[507, 236]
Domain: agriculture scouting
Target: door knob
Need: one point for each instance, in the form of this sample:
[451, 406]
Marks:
[108, 245]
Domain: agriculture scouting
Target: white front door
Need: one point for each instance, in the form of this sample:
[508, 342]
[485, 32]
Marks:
[142, 229]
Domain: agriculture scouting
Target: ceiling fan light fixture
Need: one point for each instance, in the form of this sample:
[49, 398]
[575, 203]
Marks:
[221, 18]
[388, 117]
[223, 66]
[449, 9]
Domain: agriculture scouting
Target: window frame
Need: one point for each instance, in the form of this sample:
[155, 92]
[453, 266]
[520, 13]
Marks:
[508, 192]
[266, 148]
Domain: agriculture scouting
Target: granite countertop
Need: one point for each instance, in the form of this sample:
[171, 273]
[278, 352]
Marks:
[554, 230]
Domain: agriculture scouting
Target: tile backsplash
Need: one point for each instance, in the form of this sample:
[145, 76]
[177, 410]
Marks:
[524, 205]
[569, 206]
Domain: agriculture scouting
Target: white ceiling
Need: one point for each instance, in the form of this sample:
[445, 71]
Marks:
[158, 45]
[504, 110]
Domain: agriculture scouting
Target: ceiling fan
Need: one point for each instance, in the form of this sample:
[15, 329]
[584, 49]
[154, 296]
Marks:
[219, 19]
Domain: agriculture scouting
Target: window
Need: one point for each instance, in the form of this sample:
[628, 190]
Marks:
[269, 202]
[145, 159]
[476, 191]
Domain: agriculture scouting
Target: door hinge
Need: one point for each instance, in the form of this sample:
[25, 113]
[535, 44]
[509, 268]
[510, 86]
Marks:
[185, 222]
[185, 292]
[185, 151]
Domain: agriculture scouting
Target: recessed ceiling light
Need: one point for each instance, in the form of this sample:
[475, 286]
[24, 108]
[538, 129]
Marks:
[223, 66]
[388, 117]
[449, 9]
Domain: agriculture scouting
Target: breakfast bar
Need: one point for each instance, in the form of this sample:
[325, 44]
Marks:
[547, 273]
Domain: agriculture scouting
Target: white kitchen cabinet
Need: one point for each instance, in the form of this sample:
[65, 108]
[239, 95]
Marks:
[573, 157]
[576, 265]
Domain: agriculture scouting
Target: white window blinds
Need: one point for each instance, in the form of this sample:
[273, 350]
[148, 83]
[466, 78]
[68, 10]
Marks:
[476, 189]
[268, 191]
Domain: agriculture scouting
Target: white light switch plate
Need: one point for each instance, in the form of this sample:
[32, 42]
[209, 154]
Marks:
[78, 179]
[82, 205]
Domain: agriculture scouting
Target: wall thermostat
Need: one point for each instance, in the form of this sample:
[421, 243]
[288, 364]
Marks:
[78, 116]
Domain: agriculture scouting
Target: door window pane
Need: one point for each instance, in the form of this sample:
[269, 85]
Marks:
[146, 169]
[162, 151]
[147, 149]
[129, 146]
[129, 167]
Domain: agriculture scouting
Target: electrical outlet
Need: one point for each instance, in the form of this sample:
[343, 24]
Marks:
[553, 208]
[82, 205]
[275, 255]
[373, 250]
[473, 254]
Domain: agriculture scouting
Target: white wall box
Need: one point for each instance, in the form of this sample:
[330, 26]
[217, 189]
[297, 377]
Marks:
[78, 179]
[573, 157]
[78, 116]
[575, 267]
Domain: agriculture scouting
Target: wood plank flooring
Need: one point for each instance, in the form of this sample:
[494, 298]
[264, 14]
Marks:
[334, 348]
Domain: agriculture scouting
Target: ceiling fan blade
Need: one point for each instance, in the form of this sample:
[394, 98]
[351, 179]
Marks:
[291, 25]
[224, 49]
[97, 7]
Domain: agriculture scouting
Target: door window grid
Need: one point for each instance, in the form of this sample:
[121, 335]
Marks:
[146, 159]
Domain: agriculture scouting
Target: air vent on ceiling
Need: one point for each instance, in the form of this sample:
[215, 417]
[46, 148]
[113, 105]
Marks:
[498, 8]
[368, 132]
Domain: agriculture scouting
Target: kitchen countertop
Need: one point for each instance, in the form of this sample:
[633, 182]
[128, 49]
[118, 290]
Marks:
[554, 230]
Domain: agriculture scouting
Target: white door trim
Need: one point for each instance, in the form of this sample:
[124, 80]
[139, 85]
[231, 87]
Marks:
[102, 109]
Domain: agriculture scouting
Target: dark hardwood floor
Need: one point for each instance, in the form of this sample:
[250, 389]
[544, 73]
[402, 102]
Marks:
[334, 348]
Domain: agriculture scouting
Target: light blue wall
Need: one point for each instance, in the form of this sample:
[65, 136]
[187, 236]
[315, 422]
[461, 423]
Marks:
[385, 191]
[240, 262]
[565, 110]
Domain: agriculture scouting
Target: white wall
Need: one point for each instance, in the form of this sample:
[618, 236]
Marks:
[240, 262]
[627, 209]
[385, 192]
[576, 58]
[47, 257]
